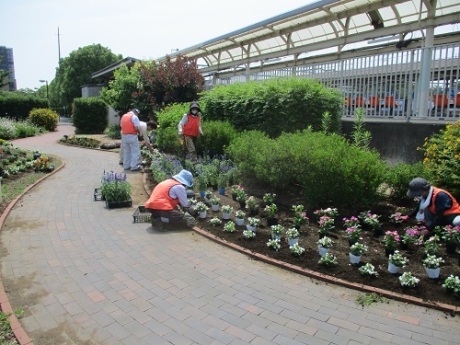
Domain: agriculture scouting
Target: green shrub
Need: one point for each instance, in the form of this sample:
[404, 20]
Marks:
[168, 141]
[17, 106]
[397, 179]
[274, 106]
[442, 158]
[217, 137]
[45, 118]
[113, 131]
[90, 115]
[167, 133]
[25, 129]
[326, 168]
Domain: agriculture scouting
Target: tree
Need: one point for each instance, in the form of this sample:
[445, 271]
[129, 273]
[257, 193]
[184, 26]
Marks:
[75, 71]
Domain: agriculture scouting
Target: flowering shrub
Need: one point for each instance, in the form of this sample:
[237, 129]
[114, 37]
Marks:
[431, 261]
[274, 244]
[358, 249]
[325, 242]
[215, 221]
[452, 283]
[297, 250]
[391, 239]
[398, 218]
[328, 260]
[398, 259]
[230, 227]
[408, 280]
[368, 270]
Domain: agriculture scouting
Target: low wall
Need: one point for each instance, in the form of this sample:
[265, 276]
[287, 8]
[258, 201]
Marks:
[397, 141]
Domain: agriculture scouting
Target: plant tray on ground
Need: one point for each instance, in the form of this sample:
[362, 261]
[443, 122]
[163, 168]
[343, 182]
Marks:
[141, 215]
[98, 195]
[118, 204]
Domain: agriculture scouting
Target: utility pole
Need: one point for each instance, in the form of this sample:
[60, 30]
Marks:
[59, 46]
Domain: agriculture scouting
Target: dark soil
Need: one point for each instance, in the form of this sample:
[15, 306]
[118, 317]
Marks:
[428, 289]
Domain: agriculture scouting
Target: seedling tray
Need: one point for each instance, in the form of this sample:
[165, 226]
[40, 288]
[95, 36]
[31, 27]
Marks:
[141, 215]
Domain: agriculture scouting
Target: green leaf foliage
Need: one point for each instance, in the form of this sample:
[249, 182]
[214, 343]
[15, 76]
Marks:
[46, 118]
[90, 115]
[325, 169]
[274, 106]
[218, 136]
[18, 106]
[397, 179]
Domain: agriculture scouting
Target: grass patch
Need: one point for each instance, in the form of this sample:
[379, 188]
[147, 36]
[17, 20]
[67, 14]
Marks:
[365, 300]
[6, 334]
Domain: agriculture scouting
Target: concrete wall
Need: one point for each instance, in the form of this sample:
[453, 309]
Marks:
[397, 141]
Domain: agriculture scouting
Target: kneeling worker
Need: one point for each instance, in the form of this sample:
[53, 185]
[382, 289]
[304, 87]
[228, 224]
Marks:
[166, 199]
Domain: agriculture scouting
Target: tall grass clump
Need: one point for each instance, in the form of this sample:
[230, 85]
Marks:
[325, 169]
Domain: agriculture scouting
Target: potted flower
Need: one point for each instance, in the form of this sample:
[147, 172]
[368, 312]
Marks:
[253, 223]
[368, 270]
[451, 234]
[296, 250]
[396, 261]
[356, 250]
[277, 231]
[270, 213]
[371, 221]
[207, 196]
[397, 218]
[222, 181]
[330, 212]
[215, 202]
[229, 227]
[116, 194]
[202, 182]
[432, 245]
[241, 197]
[350, 222]
[452, 284]
[226, 211]
[292, 235]
[201, 209]
[326, 224]
[412, 237]
[432, 265]
[269, 198]
[251, 204]
[235, 192]
[354, 234]
[299, 216]
[215, 221]
[324, 244]
[239, 217]
[274, 243]
[407, 280]
[391, 241]
[328, 260]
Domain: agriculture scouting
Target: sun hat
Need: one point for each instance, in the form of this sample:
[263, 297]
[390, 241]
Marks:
[136, 112]
[184, 177]
[194, 105]
[417, 186]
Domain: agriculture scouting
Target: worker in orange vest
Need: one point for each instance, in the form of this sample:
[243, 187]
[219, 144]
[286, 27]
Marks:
[436, 206]
[190, 128]
[166, 199]
[129, 141]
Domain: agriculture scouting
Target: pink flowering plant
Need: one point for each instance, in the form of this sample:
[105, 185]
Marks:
[451, 234]
[413, 235]
[330, 212]
[299, 216]
[353, 233]
[326, 224]
[391, 239]
[370, 219]
[351, 222]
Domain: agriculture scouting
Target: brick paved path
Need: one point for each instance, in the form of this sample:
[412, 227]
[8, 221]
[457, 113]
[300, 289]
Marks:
[88, 275]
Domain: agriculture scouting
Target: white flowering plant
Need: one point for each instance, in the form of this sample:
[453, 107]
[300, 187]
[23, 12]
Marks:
[328, 260]
[325, 242]
[230, 227]
[269, 198]
[240, 214]
[292, 233]
[277, 229]
[431, 261]
[253, 221]
[274, 244]
[214, 200]
[227, 209]
[248, 234]
[408, 280]
[368, 270]
[330, 212]
[358, 249]
[452, 283]
[398, 259]
[296, 250]
[201, 206]
[215, 221]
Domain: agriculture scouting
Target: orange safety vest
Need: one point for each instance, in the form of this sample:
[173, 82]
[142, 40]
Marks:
[455, 209]
[160, 199]
[127, 125]
[191, 128]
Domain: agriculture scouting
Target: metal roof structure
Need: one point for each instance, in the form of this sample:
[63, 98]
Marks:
[332, 26]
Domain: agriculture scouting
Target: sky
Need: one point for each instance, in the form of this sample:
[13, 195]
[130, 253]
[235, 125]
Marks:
[143, 29]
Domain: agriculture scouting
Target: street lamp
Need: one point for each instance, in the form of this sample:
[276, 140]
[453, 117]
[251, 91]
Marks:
[45, 81]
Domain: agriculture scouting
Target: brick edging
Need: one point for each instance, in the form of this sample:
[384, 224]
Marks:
[448, 308]
[5, 306]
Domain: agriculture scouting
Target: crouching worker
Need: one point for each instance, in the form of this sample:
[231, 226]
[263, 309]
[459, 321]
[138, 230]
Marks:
[436, 207]
[166, 201]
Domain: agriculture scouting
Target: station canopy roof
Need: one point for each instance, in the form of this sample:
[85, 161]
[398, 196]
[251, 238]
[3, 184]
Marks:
[328, 24]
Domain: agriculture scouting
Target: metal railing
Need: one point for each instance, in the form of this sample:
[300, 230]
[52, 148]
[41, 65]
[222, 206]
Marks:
[384, 85]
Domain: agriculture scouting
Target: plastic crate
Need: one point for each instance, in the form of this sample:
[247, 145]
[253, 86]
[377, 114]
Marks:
[141, 215]
[98, 194]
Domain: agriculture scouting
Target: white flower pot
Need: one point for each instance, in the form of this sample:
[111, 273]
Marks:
[276, 237]
[322, 250]
[251, 228]
[433, 273]
[215, 208]
[354, 259]
[202, 214]
[239, 221]
[393, 269]
[225, 215]
[292, 241]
